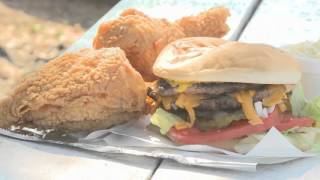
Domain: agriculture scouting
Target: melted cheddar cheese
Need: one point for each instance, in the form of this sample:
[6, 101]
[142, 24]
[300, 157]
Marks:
[188, 102]
[282, 107]
[167, 101]
[180, 86]
[278, 93]
[245, 98]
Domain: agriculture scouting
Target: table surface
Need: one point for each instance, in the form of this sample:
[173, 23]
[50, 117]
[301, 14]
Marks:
[284, 22]
[273, 22]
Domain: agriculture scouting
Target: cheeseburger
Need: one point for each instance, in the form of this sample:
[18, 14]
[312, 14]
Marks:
[211, 90]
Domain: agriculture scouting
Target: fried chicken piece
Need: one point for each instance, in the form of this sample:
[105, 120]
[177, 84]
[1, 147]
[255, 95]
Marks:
[209, 23]
[142, 37]
[137, 35]
[85, 90]
[132, 11]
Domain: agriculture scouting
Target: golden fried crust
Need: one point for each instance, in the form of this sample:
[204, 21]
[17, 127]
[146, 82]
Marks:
[142, 37]
[137, 36]
[132, 11]
[211, 23]
[89, 85]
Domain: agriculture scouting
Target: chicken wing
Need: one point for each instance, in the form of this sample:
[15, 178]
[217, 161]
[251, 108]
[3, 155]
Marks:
[137, 35]
[209, 23]
[89, 89]
[142, 37]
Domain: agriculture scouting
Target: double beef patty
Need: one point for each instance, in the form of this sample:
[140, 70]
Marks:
[218, 96]
[228, 102]
[212, 89]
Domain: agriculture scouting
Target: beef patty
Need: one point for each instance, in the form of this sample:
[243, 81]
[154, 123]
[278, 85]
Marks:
[217, 96]
[227, 102]
[213, 89]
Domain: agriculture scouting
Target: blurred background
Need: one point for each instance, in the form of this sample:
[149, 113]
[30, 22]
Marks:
[32, 32]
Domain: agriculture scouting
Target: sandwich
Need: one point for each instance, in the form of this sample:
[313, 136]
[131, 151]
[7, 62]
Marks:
[212, 90]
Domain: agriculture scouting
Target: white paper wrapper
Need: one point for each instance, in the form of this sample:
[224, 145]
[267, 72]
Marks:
[269, 150]
[105, 141]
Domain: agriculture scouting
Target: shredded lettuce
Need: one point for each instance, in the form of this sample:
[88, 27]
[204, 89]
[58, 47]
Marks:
[297, 100]
[304, 138]
[164, 120]
[305, 48]
[302, 108]
[248, 143]
[312, 110]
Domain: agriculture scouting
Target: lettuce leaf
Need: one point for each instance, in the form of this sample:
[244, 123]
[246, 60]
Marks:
[248, 143]
[297, 100]
[312, 110]
[302, 108]
[309, 48]
[305, 139]
[164, 120]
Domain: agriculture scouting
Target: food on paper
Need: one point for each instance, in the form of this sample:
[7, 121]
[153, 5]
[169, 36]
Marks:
[84, 90]
[143, 37]
[211, 90]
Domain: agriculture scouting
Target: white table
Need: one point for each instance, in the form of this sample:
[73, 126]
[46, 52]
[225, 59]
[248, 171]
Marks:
[169, 170]
[284, 22]
[26, 160]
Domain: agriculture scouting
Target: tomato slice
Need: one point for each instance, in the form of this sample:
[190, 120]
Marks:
[237, 130]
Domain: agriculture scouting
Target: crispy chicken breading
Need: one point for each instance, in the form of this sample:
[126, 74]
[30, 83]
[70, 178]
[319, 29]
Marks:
[209, 23]
[89, 89]
[142, 37]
